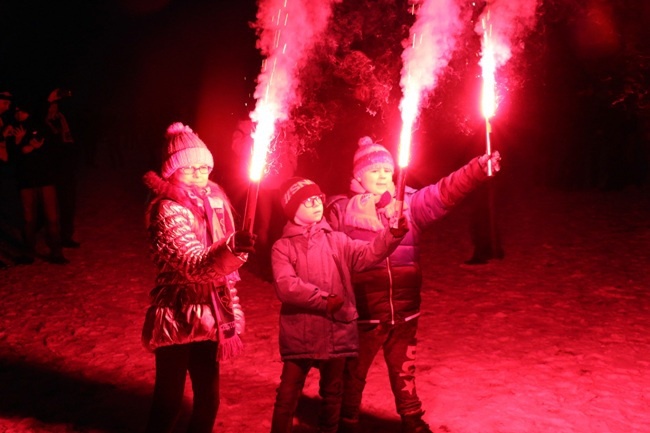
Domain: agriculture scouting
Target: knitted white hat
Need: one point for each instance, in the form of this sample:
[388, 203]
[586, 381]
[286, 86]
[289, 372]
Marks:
[184, 148]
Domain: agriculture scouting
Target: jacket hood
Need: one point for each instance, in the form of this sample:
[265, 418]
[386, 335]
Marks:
[292, 229]
[187, 196]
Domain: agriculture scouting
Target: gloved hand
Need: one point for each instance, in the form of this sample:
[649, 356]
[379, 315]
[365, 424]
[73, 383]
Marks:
[494, 157]
[243, 242]
[334, 303]
[402, 228]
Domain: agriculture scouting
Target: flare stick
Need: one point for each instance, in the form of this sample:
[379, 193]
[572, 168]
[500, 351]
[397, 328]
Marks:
[401, 186]
[251, 205]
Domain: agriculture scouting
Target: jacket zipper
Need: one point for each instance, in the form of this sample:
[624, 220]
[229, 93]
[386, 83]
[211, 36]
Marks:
[390, 292]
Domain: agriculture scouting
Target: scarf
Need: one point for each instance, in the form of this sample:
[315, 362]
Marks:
[368, 211]
[220, 224]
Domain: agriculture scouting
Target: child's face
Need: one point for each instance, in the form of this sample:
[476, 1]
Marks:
[376, 181]
[196, 175]
[310, 211]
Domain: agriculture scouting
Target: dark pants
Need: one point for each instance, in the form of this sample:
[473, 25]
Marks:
[398, 342]
[45, 198]
[292, 381]
[172, 364]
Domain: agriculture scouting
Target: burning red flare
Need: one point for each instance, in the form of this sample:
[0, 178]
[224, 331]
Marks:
[433, 38]
[488, 94]
[287, 30]
[488, 68]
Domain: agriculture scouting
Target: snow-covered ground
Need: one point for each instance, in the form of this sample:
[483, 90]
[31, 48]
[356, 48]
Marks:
[554, 338]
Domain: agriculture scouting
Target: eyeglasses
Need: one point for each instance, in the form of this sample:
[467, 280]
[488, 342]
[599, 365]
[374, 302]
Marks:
[314, 201]
[204, 169]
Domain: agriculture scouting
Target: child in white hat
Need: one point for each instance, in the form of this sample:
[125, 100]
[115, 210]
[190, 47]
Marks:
[195, 318]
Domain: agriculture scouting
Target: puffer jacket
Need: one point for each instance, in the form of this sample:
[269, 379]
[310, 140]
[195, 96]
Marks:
[390, 291]
[309, 264]
[193, 272]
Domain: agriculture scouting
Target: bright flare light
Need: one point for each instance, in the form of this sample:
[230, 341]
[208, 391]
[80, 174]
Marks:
[283, 41]
[409, 108]
[488, 93]
[488, 67]
[433, 38]
[264, 116]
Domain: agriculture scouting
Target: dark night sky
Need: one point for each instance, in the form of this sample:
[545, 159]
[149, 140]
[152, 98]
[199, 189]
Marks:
[148, 62]
[144, 60]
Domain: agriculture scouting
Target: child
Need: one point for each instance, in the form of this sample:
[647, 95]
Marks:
[388, 295]
[195, 318]
[311, 269]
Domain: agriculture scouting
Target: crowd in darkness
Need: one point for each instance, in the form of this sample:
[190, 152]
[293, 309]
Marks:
[38, 174]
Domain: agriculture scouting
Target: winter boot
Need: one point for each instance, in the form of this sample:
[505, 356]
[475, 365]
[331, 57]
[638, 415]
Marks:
[413, 423]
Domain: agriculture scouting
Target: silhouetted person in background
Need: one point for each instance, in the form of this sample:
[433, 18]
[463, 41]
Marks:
[59, 119]
[483, 227]
[36, 174]
[12, 246]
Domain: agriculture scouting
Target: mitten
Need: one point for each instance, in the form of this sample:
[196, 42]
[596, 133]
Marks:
[243, 242]
[402, 228]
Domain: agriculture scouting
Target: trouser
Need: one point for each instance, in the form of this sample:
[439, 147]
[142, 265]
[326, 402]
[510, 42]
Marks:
[292, 381]
[172, 364]
[398, 343]
[46, 197]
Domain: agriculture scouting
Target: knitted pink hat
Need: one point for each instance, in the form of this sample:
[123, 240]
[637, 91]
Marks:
[294, 191]
[184, 148]
[370, 156]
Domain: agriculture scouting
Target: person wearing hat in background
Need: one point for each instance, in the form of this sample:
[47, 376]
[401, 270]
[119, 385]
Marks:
[8, 190]
[195, 318]
[12, 246]
[60, 122]
[311, 271]
[388, 295]
[36, 178]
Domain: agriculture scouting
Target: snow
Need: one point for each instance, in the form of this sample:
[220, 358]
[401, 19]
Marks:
[554, 338]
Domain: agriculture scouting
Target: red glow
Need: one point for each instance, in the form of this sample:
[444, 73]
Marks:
[488, 68]
[288, 29]
[433, 37]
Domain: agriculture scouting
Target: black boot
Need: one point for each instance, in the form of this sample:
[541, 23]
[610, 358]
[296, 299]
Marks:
[413, 423]
[347, 425]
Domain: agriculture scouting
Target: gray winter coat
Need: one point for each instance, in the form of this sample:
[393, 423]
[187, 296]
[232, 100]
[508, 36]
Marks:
[309, 264]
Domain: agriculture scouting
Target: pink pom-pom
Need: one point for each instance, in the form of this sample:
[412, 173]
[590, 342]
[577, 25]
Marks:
[178, 128]
[365, 141]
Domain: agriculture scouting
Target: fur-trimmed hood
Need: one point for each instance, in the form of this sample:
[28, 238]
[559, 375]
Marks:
[187, 196]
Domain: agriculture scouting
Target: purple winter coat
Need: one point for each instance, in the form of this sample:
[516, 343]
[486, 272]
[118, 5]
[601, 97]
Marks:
[389, 292]
[309, 263]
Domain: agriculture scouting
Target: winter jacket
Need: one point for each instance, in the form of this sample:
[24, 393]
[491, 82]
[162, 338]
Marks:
[195, 274]
[35, 167]
[309, 264]
[390, 291]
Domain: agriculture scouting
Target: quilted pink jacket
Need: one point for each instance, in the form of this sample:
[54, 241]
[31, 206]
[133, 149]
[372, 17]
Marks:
[194, 273]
